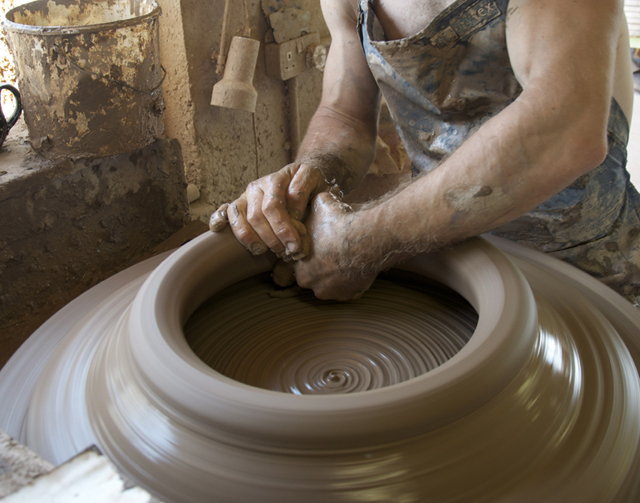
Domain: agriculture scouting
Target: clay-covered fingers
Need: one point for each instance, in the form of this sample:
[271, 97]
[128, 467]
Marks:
[326, 285]
[276, 204]
[242, 230]
[218, 220]
[247, 222]
[267, 213]
[306, 183]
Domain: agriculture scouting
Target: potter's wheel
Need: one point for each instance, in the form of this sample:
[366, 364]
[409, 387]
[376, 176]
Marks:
[525, 401]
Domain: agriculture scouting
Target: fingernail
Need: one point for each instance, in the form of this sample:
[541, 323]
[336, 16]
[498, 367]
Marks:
[292, 247]
[258, 249]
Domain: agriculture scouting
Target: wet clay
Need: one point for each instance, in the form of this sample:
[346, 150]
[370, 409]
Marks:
[398, 330]
[542, 403]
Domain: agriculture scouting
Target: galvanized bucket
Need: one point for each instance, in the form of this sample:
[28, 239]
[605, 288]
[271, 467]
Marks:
[89, 73]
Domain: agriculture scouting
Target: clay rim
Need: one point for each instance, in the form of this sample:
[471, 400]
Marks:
[28, 29]
[180, 381]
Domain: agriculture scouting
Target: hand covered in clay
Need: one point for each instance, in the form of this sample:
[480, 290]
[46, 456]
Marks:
[333, 269]
[268, 214]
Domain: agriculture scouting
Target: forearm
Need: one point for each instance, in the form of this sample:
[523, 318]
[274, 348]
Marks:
[513, 163]
[552, 134]
[341, 147]
[562, 55]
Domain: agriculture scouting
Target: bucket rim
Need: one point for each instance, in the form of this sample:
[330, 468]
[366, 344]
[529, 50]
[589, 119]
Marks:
[73, 29]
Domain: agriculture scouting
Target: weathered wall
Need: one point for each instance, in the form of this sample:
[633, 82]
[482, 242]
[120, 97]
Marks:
[179, 111]
[67, 225]
[229, 148]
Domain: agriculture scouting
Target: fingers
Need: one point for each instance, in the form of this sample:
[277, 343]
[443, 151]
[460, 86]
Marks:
[261, 223]
[330, 288]
[218, 220]
[329, 270]
[329, 202]
[277, 201]
[305, 241]
[305, 183]
[249, 223]
[268, 214]
[242, 230]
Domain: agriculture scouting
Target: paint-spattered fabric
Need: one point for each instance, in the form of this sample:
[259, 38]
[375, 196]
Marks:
[442, 84]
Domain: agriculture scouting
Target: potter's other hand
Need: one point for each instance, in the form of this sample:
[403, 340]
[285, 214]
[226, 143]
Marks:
[334, 268]
[264, 216]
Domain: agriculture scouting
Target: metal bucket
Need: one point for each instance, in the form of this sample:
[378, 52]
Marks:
[89, 74]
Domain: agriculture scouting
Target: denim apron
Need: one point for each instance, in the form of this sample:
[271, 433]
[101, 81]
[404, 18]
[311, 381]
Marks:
[443, 83]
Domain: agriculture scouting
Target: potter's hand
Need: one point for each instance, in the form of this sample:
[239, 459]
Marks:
[334, 269]
[266, 215]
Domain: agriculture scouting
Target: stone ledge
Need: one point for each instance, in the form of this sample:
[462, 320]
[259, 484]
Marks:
[19, 161]
[19, 465]
[69, 224]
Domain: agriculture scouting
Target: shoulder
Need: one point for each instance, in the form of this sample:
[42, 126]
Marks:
[519, 9]
[557, 36]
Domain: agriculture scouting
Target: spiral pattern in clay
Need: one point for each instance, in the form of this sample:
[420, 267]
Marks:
[298, 344]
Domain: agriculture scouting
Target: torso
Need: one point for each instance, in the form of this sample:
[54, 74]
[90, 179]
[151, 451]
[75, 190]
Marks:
[404, 18]
[445, 68]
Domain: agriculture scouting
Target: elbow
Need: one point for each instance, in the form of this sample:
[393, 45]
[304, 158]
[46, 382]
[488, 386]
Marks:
[574, 129]
[593, 152]
[587, 148]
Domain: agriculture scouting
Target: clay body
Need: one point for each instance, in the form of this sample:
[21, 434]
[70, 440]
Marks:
[540, 403]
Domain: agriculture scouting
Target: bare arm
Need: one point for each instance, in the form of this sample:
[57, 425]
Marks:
[338, 147]
[563, 54]
[345, 124]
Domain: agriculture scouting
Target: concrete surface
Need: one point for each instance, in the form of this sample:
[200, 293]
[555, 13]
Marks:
[19, 465]
[89, 476]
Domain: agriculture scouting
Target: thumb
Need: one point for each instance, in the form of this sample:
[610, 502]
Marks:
[283, 274]
[306, 182]
[330, 202]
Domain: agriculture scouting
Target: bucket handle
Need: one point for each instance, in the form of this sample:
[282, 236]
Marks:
[104, 77]
[11, 121]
